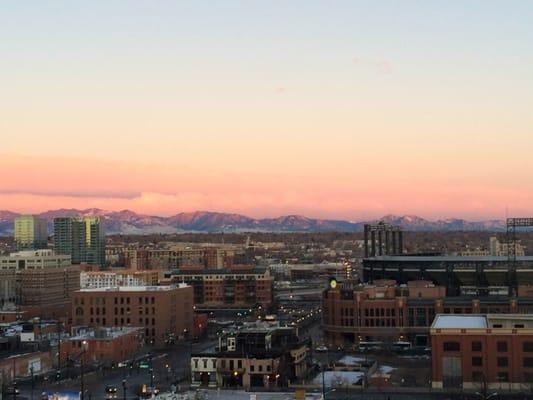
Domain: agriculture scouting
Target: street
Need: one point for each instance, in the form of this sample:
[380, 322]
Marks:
[169, 366]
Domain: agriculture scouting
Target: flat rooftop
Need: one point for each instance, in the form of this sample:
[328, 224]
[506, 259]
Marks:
[460, 321]
[164, 288]
[483, 321]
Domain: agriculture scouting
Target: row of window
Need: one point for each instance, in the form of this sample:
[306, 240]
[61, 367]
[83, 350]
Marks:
[501, 346]
[117, 300]
[231, 364]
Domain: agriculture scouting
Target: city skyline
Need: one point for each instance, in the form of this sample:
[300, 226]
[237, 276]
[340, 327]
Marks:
[347, 111]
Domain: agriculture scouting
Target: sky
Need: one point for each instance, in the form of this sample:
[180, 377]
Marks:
[330, 109]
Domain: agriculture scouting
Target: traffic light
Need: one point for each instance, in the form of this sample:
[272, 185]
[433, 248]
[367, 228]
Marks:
[332, 283]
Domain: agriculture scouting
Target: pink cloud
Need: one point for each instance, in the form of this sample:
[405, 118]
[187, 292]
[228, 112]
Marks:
[42, 183]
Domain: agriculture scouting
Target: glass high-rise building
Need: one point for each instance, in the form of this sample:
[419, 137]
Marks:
[83, 238]
[30, 232]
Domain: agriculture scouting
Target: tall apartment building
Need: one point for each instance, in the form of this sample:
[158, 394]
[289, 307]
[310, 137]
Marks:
[482, 352]
[39, 282]
[83, 238]
[30, 232]
[164, 312]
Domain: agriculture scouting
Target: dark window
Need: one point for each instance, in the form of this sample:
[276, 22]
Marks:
[502, 377]
[252, 368]
[503, 362]
[501, 346]
[239, 364]
[528, 347]
[477, 361]
[476, 346]
[528, 362]
[452, 346]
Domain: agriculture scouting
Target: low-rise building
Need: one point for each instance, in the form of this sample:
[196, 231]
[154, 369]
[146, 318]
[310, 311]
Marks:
[482, 352]
[102, 346]
[255, 356]
[387, 312]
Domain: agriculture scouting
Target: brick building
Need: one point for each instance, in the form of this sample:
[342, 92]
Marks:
[208, 257]
[237, 287]
[481, 352]
[102, 346]
[387, 312]
[165, 312]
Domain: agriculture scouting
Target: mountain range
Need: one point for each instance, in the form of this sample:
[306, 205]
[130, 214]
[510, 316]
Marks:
[129, 222]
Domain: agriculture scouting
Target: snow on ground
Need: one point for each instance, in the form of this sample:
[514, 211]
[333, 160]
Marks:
[338, 378]
[351, 360]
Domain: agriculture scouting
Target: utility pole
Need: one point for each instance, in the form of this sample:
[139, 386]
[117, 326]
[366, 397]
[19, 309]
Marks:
[58, 350]
[32, 381]
[323, 382]
[124, 389]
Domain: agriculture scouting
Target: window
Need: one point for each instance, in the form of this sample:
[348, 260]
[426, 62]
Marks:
[452, 346]
[260, 368]
[528, 362]
[502, 377]
[252, 368]
[268, 368]
[501, 347]
[477, 361]
[528, 347]
[503, 362]
[497, 326]
[239, 364]
[476, 346]
[205, 362]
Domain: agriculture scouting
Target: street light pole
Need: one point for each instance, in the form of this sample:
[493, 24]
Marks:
[124, 389]
[32, 381]
[82, 383]
[323, 382]
[82, 367]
